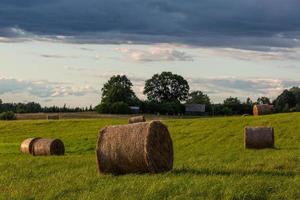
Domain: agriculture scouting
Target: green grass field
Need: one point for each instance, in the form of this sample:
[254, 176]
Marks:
[210, 162]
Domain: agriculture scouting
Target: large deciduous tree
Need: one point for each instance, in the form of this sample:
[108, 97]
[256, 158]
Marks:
[285, 101]
[296, 92]
[118, 89]
[166, 87]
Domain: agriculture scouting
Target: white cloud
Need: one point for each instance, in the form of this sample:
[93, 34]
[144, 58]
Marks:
[254, 54]
[155, 54]
[43, 89]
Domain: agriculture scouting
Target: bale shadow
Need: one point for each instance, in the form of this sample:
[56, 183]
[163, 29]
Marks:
[215, 172]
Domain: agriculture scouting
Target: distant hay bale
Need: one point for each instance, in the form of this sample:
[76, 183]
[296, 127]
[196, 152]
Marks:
[53, 117]
[135, 148]
[45, 147]
[27, 145]
[262, 109]
[137, 119]
[259, 137]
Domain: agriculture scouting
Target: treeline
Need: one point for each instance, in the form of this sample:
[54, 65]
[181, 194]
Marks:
[33, 107]
[167, 93]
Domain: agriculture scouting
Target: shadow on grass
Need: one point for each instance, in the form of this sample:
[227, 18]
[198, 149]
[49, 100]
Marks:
[215, 172]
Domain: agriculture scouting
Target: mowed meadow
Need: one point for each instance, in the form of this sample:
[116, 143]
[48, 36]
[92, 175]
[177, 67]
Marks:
[210, 162]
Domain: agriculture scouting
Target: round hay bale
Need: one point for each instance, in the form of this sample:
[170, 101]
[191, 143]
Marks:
[262, 109]
[137, 119]
[135, 148]
[27, 145]
[45, 147]
[259, 137]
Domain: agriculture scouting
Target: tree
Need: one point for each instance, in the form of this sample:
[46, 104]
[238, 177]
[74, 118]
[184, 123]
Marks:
[166, 87]
[232, 101]
[285, 101]
[263, 100]
[199, 98]
[249, 101]
[0, 101]
[296, 92]
[234, 104]
[118, 89]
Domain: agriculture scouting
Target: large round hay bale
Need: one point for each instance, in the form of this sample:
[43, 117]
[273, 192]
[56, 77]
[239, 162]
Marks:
[259, 137]
[262, 109]
[27, 145]
[137, 119]
[135, 148]
[45, 147]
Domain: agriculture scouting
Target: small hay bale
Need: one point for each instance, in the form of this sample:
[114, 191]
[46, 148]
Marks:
[262, 109]
[135, 148]
[27, 145]
[53, 117]
[259, 137]
[46, 147]
[137, 119]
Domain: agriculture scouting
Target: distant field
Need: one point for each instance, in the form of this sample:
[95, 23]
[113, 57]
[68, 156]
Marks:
[86, 115]
[210, 162]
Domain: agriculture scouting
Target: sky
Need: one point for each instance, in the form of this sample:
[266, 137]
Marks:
[62, 51]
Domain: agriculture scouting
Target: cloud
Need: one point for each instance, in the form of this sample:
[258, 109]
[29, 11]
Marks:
[218, 23]
[57, 56]
[255, 55]
[43, 89]
[155, 54]
[221, 87]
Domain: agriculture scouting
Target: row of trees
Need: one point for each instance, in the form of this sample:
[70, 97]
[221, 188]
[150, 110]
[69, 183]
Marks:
[33, 107]
[166, 93]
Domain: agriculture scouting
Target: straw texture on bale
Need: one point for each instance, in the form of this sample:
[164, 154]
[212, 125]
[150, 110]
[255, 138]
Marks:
[27, 145]
[46, 147]
[262, 109]
[259, 137]
[135, 148]
[137, 119]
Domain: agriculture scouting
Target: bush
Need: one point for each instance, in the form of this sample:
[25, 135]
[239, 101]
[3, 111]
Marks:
[8, 116]
[170, 108]
[119, 108]
[103, 108]
[113, 108]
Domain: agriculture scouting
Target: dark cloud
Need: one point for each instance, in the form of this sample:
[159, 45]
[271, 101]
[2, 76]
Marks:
[244, 24]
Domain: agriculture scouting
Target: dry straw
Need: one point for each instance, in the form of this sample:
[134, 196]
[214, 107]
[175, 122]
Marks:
[262, 109]
[259, 137]
[46, 147]
[136, 119]
[42, 147]
[135, 148]
[27, 145]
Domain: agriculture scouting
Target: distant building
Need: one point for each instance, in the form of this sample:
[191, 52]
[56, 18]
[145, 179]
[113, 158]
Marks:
[135, 109]
[194, 109]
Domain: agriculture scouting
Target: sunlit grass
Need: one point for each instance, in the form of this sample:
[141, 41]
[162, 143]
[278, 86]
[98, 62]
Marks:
[210, 162]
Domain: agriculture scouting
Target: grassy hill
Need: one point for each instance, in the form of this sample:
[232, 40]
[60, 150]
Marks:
[210, 162]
